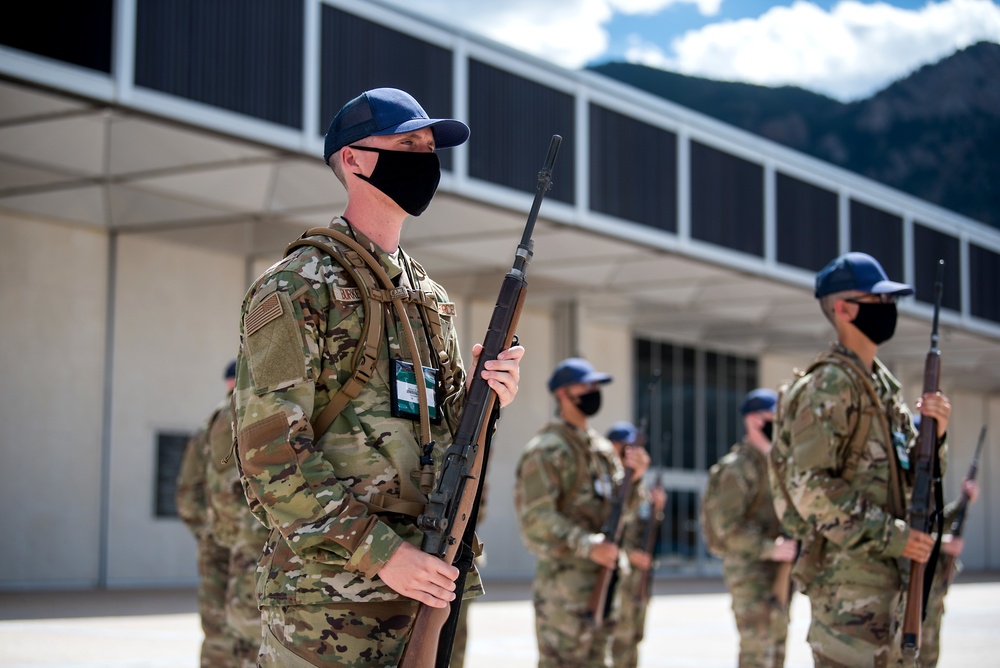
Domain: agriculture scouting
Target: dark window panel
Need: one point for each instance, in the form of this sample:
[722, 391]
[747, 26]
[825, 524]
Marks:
[984, 279]
[78, 33]
[380, 57]
[633, 170]
[674, 441]
[806, 223]
[880, 234]
[513, 120]
[727, 200]
[930, 246]
[241, 55]
[169, 454]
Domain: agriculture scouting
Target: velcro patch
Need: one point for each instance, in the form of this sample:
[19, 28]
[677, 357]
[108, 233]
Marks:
[347, 294]
[446, 308]
[265, 312]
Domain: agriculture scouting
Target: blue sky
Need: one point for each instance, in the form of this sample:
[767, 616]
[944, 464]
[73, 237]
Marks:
[846, 49]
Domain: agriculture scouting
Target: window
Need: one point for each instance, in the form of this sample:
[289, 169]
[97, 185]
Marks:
[727, 200]
[169, 453]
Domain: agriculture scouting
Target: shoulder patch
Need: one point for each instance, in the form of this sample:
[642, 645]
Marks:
[446, 308]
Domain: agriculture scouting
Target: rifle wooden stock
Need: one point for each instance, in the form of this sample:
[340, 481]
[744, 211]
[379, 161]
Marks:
[923, 486]
[958, 524]
[614, 531]
[450, 507]
[782, 589]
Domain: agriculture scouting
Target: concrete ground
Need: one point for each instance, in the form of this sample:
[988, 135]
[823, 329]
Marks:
[689, 625]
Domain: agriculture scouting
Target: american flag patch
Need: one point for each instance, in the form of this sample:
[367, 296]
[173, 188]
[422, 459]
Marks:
[265, 312]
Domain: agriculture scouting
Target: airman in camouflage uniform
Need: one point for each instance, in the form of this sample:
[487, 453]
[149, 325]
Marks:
[740, 512]
[854, 498]
[210, 500]
[342, 574]
[627, 630]
[566, 483]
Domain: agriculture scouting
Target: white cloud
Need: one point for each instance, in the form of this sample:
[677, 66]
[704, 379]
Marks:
[849, 52]
[569, 33]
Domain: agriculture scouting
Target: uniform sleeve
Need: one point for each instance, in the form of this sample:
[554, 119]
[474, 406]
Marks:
[820, 431]
[284, 328]
[543, 475]
[191, 499]
[734, 519]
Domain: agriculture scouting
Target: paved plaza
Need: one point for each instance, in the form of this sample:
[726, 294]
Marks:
[689, 626]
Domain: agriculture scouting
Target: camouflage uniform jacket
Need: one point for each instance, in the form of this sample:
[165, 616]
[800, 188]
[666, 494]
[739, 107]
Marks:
[326, 544]
[191, 496]
[566, 482]
[861, 519]
[743, 511]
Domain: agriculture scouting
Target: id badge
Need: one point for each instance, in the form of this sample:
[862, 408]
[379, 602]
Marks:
[405, 398]
[902, 454]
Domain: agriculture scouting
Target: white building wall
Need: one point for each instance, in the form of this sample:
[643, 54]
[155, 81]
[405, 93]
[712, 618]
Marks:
[176, 327]
[52, 314]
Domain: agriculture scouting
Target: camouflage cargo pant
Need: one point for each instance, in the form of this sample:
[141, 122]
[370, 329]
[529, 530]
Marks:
[349, 634]
[854, 626]
[565, 638]
[628, 627]
[242, 615]
[217, 649]
[762, 624]
[930, 633]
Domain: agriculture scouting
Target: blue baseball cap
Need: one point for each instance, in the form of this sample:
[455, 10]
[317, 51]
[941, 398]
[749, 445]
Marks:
[230, 371]
[857, 271]
[622, 432]
[761, 399]
[575, 370]
[388, 111]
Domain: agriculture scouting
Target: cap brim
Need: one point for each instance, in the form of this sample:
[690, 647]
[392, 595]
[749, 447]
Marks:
[891, 288]
[596, 377]
[447, 131]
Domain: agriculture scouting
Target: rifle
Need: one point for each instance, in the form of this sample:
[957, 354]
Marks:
[651, 532]
[924, 467]
[449, 519]
[614, 530]
[963, 505]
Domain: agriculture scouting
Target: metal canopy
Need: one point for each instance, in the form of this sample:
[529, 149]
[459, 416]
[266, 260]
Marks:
[79, 163]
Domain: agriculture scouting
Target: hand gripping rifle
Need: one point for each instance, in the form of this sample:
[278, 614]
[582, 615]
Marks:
[963, 505]
[449, 520]
[926, 493]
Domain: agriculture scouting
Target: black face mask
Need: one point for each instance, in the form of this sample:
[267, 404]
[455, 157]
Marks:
[876, 321]
[767, 429]
[408, 178]
[589, 403]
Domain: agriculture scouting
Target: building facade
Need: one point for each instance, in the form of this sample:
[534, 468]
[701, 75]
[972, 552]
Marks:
[155, 157]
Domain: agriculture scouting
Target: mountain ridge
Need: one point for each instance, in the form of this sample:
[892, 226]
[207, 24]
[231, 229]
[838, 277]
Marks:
[934, 134]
